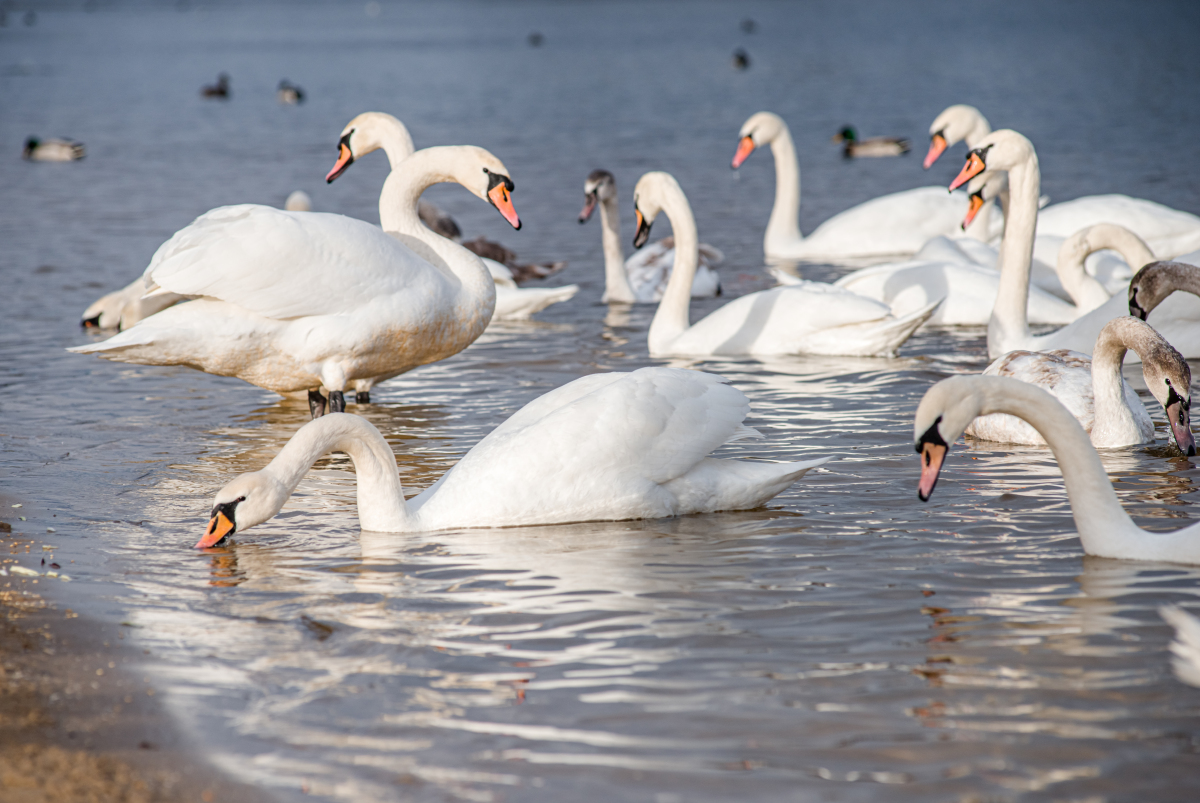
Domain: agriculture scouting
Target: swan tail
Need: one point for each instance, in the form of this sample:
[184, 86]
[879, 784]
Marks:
[716, 484]
[886, 338]
[518, 305]
[130, 338]
[1186, 646]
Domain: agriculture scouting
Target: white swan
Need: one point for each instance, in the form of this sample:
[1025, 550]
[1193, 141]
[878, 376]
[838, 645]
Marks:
[893, 225]
[1104, 527]
[1094, 391]
[1169, 232]
[641, 279]
[294, 301]
[603, 447]
[1185, 649]
[371, 131]
[809, 318]
[1008, 326]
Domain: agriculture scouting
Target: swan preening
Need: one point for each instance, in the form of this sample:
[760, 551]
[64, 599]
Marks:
[641, 279]
[1093, 390]
[296, 301]
[805, 318]
[603, 447]
[1104, 527]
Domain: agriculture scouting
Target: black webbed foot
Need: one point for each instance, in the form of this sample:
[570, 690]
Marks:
[337, 402]
[316, 403]
[362, 397]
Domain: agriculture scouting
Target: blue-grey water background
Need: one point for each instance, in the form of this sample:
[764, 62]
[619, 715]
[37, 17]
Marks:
[847, 643]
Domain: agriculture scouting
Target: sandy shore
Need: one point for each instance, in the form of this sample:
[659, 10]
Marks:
[77, 721]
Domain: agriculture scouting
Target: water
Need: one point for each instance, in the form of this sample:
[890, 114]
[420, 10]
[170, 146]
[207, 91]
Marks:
[847, 643]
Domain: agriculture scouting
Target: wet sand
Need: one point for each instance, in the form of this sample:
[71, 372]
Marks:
[77, 721]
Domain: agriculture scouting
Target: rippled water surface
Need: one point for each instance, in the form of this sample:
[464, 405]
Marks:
[847, 643]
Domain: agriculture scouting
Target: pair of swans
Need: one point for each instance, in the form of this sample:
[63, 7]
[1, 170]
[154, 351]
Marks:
[604, 447]
[807, 318]
[296, 301]
[1104, 528]
[641, 279]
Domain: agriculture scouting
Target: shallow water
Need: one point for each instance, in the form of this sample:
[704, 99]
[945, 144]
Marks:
[845, 639]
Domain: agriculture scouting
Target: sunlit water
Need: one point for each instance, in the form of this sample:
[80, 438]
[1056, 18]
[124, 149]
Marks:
[847, 643]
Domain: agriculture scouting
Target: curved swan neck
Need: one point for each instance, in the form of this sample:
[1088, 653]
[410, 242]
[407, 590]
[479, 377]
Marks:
[385, 132]
[1009, 322]
[671, 318]
[616, 280]
[380, 497]
[1108, 386]
[783, 228]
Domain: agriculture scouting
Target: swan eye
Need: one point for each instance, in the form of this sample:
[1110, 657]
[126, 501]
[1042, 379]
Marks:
[239, 499]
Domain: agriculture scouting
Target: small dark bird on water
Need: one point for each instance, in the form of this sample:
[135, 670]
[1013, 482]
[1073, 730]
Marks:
[218, 90]
[853, 148]
[289, 94]
[536, 39]
[749, 25]
[741, 59]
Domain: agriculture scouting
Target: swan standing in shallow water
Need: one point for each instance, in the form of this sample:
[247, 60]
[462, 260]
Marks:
[1104, 527]
[641, 279]
[806, 318]
[603, 447]
[893, 225]
[296, 301]
[1094, 391]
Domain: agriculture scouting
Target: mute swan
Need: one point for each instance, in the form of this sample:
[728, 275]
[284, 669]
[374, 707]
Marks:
[642, 278]
[1008, 327]
[855, 148]
[1186, 646]
[809, 318]
[53, 150]
[294, 301]
[1093, 390]
[220, 90]
[603, 447]
[1169, 232]
[891, 225]
[1104, 528]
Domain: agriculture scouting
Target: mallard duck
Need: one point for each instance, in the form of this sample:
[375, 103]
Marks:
[853, 148]
[289, 94]
[53, 150]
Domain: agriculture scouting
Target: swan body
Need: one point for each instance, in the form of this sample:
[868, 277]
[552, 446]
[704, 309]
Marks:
[807, 318]
[894, 225]
[53, 150]
[641, 279]
[1008, 326]
[1105, 529]
[1185, 649]
[1094, 391]
[291, 301]
[515, 303]
[603, 447]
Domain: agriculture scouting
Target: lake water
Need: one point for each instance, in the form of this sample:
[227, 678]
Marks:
[846, 643]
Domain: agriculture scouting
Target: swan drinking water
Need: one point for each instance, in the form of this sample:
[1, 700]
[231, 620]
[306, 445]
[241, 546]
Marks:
[604, 447]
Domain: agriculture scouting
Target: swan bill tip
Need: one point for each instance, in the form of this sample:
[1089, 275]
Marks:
[219, 528]
[744, 149]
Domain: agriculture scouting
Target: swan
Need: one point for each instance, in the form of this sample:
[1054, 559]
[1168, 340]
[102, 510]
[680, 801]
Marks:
[1008, 326]
[515, 303]
[642, 278]
[1104, 528]
[1169, 232]
[1186, 646]
[889, 226]
[1094, 391]
[874, 147]
[602, 447]
[1154, 283]
[53, 150]
[809, 318]
[295, 301]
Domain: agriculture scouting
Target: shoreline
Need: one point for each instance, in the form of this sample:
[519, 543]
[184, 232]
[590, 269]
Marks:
[77, 719]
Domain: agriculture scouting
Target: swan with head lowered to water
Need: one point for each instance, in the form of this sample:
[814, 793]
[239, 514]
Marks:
[604, 447]
[1105, 529]
[806, 318]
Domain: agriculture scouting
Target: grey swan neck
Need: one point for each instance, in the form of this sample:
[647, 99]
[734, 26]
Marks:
[1108, 386]
[616, 281]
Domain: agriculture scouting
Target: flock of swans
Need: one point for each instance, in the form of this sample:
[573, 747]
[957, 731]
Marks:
[322, 305]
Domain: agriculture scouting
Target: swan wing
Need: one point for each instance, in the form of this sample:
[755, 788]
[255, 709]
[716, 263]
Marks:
[1167, 231]
[899, 223]
[282, 264]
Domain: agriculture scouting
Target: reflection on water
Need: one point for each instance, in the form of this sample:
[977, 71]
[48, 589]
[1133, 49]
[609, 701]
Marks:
[846, 643]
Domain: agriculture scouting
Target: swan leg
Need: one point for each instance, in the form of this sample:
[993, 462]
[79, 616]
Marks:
[337, 402]
[362, 397]
[316, 403]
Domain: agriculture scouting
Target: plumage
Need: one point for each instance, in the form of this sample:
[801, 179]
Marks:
[874, 147]
[53, 150]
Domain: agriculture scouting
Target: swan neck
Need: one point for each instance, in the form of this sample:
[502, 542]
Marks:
[1108, 385]
[396, 142]
[671, 318]
[380, 496]
[616, 280]
[1008, 326]
[783, 227]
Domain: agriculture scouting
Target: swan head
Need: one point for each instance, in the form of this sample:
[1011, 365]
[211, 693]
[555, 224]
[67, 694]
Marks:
[944, 413]
[1154, 282]
[761, 129]
[246, 501]
[999, 150]
[368, 132]
[952, 126]
[1169, 380]
[600, 186]
[981, 189]
[648, 198]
